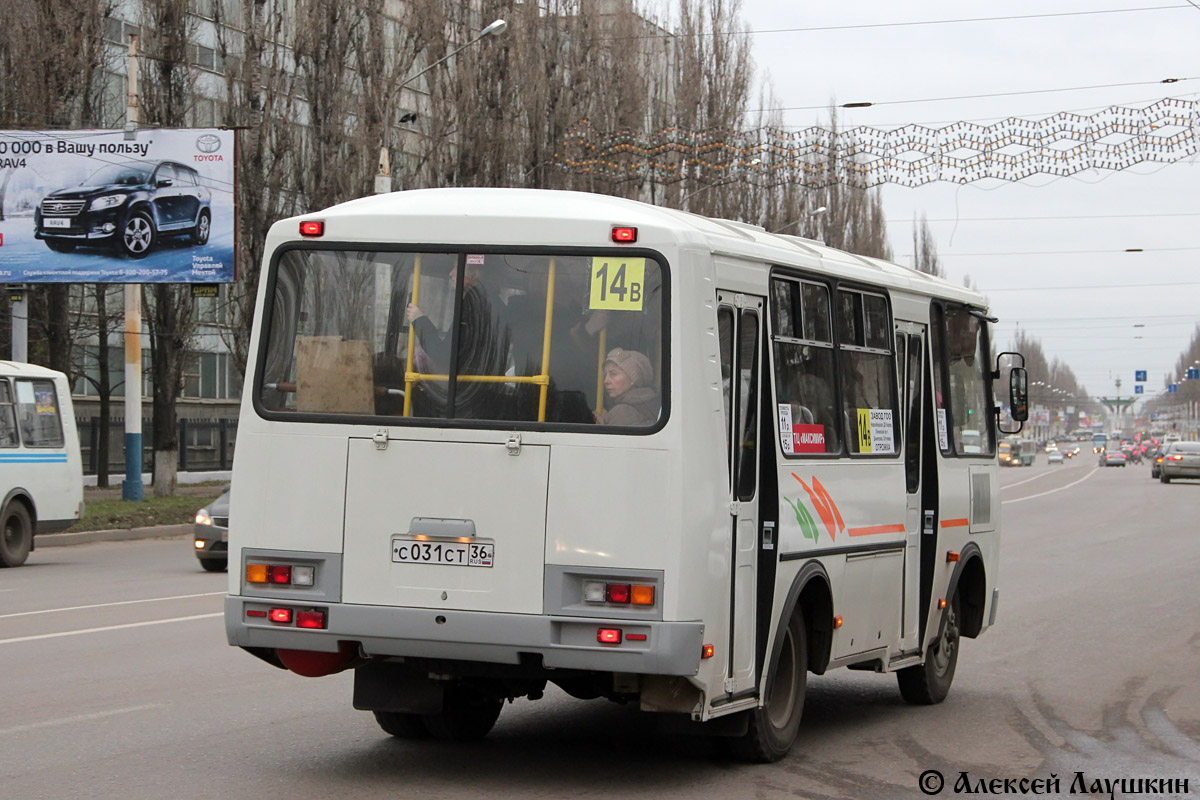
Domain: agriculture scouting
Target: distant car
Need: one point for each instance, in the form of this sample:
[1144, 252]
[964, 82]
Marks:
[1113, 458]
[1156, 459]
[1051, 447]
[212, 534]
[1071, 452]
[1055, 457]
[130, 206]
[1181, 460]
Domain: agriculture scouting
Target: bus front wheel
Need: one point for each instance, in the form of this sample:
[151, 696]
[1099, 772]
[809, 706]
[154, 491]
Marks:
[774, 724]
[467, 714]
[929, 683]
[16, 535]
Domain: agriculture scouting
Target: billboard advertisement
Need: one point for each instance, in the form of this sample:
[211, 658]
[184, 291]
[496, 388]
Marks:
[95, 207]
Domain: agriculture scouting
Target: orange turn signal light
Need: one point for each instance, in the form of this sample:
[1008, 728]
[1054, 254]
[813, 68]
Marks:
[951, 556]
[941, 603]
[837, 622]
[707, 651]
[642, 595]
[256, 573]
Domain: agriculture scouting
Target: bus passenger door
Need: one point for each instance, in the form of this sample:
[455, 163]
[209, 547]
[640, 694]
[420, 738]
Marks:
[910, 352]
[740, 323]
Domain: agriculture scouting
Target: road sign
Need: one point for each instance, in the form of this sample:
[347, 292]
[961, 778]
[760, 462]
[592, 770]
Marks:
[1139, 375]
[1174, 387]
[1138, 389]
[1193, 374]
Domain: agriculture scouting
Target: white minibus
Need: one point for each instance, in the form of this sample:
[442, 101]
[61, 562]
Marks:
[41, 476]
[499, 438]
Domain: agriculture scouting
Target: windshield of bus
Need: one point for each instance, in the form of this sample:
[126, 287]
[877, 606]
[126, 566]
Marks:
[527, 338]
[1099, 438]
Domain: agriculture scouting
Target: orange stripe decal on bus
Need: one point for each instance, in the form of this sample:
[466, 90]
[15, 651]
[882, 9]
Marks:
[872, 530]
[956, 523]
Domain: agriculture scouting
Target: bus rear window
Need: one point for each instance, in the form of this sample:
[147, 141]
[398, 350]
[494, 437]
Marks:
[556, 339]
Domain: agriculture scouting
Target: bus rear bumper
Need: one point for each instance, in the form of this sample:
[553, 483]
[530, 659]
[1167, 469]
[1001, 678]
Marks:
[669, 648]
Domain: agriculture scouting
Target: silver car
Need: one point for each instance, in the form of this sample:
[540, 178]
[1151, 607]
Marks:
[1181, 460]
[212, 534]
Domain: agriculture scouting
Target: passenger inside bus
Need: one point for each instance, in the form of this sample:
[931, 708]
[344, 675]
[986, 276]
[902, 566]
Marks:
[483, 347]
[628, 378]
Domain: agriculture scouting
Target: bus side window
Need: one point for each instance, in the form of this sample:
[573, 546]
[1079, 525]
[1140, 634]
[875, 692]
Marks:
[868, 373]
[804, 376]
[725, 331]
[38, 415]
[967, 374]
[8, 420]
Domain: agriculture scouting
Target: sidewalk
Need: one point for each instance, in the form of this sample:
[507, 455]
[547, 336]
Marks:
[118, 535]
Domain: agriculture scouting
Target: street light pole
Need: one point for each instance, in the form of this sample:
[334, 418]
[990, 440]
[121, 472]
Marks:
[383, 180]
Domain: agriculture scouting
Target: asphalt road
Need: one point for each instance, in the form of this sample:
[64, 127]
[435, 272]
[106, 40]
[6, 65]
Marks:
[117, 682]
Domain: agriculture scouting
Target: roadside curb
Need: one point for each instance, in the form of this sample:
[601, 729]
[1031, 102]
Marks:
[118, 535]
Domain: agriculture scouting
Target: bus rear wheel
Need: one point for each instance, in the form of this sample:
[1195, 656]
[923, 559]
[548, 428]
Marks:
[929, 683]
[467, 714]
[401, 725]
[16, 535]
[774, 724]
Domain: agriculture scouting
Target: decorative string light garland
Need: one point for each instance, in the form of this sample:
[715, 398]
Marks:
[1012, 149]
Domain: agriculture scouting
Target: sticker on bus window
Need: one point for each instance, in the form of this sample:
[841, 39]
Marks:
[618, 283]
[45, 402]
[474, 259]
[799, 438]
[943, 430]
[876, 433]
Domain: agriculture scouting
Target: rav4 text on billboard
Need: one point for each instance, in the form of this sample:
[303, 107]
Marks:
[95, 207]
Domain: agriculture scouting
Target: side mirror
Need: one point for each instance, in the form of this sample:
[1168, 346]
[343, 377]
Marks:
[163, 183]
[1018, 393]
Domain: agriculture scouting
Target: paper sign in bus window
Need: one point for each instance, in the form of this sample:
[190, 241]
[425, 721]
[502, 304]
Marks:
[799, 437]
[943, 430]
[618, 283]
[45, 402]
[876, 433]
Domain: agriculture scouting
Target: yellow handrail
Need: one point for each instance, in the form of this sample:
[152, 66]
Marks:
[408, 365]
[545, 376]
[603, 338]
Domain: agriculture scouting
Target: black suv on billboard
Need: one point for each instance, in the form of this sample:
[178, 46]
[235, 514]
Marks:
[128, 206]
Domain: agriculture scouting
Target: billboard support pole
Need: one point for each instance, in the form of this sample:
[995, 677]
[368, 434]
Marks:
[131, 488]
[20, 326]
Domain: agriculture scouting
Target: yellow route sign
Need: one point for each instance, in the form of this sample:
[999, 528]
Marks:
[618, 283]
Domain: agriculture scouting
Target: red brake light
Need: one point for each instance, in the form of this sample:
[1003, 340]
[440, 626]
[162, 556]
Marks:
[1176, 457]
[281, 615]
[618, 592]
[608, 636]
[624, 235]
[310, 619]
[312, 228]
[279, 573]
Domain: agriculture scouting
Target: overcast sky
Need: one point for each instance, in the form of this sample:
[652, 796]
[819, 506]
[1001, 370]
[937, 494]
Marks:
[1151, 206]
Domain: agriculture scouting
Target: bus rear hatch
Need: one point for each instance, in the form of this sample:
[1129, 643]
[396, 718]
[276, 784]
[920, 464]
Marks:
[450, 525]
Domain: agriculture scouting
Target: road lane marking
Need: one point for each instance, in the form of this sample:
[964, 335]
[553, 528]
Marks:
[1027, 480]
[16, 639]
[1052, 491]
[106, 605]
[81, 718]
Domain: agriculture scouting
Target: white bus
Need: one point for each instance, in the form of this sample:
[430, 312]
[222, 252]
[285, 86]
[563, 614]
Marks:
[497, 438]
[41, 476]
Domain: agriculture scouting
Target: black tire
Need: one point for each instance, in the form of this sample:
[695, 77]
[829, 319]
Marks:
[467, 714]
[214, 564]
[402, 726]
[929, 683]
[1162, 476]
[137, 235]
[59, 246]
[199, 235]
[16, 535]
[773, 725]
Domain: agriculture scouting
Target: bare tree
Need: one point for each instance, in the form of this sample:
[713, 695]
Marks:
[925, 257]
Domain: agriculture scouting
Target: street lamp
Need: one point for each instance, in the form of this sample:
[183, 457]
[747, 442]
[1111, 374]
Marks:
[383, 181]
[809, 215]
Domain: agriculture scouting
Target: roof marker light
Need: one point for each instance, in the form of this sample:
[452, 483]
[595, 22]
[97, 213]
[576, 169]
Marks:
[623, 235]
[312, 227]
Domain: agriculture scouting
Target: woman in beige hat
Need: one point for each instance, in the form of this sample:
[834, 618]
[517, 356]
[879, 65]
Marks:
[627, 379]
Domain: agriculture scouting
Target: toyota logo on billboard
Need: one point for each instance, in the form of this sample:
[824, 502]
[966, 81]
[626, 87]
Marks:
[208, 143]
